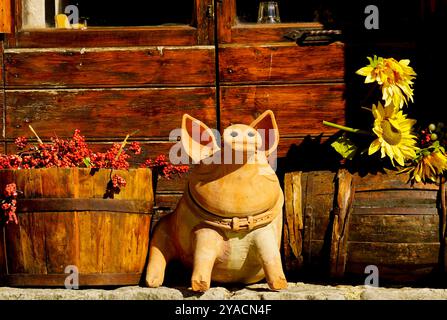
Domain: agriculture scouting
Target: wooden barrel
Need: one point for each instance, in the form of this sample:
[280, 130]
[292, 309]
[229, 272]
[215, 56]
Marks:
[67, 221]
[337, 224]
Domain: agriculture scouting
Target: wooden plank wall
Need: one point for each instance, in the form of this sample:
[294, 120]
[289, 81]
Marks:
[302, 85]
[108, 92]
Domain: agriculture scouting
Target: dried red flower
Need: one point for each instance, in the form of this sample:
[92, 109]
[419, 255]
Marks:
[164, 167]
[75, 152]
[21, 142]
[9, 204]
[118, 181]
[135, 147]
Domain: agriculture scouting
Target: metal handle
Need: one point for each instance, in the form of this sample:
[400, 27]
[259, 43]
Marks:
[314, 37]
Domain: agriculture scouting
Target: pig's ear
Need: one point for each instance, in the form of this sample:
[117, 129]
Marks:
[198, 140]
[266, 125]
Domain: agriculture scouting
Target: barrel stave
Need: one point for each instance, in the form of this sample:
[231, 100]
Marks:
[392, 224]
[107, 247]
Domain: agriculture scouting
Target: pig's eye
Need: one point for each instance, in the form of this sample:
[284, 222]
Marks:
[233, 134]
[251, 134]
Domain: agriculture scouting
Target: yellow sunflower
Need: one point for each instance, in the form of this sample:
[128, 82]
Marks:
[429, 166]
[394, 138]
[395, 78]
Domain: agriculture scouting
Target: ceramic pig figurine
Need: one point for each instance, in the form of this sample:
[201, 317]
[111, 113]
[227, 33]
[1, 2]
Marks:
[227, 226]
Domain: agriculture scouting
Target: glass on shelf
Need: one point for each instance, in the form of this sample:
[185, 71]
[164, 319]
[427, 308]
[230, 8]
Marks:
[291, 11]
[268, 12]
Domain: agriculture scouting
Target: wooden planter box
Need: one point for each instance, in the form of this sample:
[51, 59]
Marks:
[65, 220]
[337, 224]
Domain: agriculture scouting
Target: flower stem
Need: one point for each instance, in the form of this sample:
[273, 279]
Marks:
[347, 129]
[35, 133]
[123, 144]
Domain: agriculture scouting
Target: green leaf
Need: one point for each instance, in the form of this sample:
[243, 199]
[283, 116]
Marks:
[425, 152]
[345, 147]
[87, 162]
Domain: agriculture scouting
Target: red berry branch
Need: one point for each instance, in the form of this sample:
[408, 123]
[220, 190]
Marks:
[165, 168]
[75, 152]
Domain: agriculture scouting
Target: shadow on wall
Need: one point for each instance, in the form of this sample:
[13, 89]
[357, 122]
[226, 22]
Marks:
[408, 29]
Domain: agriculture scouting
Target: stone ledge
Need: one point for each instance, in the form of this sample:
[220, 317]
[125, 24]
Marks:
[295, 291]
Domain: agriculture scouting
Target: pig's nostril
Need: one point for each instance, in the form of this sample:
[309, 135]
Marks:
[251, 134]
[233, 134]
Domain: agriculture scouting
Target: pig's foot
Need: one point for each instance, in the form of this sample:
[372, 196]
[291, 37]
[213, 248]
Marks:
[161, 251]
[271, 261]
[200, 285]
[156, 268]
[207, 246]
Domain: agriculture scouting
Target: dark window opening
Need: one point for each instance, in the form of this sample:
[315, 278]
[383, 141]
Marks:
[289, 10]
[134, 13]
[108, 13]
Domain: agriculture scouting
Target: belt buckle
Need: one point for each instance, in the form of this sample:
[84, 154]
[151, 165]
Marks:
[236, 223]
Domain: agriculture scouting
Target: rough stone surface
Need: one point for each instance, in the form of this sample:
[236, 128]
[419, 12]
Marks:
[295, 291]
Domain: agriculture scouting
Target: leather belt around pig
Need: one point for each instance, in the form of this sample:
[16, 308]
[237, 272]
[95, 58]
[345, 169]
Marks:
[247, 223]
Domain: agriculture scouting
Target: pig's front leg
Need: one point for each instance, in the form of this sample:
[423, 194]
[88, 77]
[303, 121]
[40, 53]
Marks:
[208, 244]
[267, 247]
[161, 251]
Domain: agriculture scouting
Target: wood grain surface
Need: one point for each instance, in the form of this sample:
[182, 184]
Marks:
[299, 109]
[105, 37]
[106, 113]
[392, 225]
[110, 67]
[45, 243]
[281, 63]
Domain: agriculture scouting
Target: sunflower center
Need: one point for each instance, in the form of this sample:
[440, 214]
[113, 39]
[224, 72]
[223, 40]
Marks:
[391, 135]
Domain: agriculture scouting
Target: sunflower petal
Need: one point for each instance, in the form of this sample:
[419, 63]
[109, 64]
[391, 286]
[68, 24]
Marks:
[364, 71]
[374, 147]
